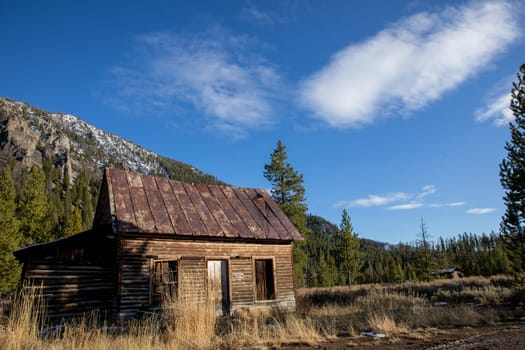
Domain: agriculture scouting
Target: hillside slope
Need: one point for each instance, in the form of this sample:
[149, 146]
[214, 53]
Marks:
[31, 136]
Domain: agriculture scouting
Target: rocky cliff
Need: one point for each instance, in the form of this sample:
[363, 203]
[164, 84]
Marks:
[31, 136]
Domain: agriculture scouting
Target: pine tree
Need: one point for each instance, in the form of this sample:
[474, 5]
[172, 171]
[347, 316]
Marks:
[81, 198]
[426, 261]
[10, 237]
[502, 264]
[347, 250]
[512, 177]
[397, 271]
[33, 208]
[74, 223]
[323, 274]
[288, 191]
[287, 187]
[332, 272]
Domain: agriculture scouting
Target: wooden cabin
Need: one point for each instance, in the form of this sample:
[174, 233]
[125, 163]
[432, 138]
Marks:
[451, 273]
[155, 239]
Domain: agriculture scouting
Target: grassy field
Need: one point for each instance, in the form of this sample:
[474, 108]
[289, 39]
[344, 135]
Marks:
[322, 315]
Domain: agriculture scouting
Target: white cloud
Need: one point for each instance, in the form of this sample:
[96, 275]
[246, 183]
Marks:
[496, 109]
[407, 206]
[405, 201]
[373, 200]
[410, 64]
[214, 72]
[451, 204]
[426, 191]
[417, 200]
[480, 211]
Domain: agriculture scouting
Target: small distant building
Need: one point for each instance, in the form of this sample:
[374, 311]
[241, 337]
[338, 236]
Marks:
[451, 272]
[155, 238]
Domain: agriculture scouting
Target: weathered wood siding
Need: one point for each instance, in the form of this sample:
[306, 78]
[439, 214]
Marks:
[242, 275]
[193, 279]
[136, 256]
[71, 290]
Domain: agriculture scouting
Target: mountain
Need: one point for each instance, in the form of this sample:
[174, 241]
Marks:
[32, 136]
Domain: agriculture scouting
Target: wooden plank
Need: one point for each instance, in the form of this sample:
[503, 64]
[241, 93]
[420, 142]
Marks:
[178, 219]
[226, 227]
[187, 207]
[143, 214]
[212, 227]
[249, 228]
[157, 206]
[124, 210]
[94, 268]
[242, 279]
[248, 198]
[230, 213]
[264, 206]
[236, 212]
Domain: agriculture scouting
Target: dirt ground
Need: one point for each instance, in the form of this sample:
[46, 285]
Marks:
[495, 337]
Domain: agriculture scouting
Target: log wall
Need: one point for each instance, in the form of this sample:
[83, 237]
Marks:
[72, 290]
[137, 255]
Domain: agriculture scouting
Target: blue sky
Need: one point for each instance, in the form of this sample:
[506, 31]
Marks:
[395, 110]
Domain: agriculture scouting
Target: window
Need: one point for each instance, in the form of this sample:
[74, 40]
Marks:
[164, 281]
[264, 285]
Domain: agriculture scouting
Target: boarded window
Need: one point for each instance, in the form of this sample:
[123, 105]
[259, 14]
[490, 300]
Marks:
[165, 277]
[264, 285]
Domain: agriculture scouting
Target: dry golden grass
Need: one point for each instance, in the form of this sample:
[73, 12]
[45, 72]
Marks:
[191, 325]
[384, 322]
[22, 327]
[263, 328]
[405, 309]
[322, 314]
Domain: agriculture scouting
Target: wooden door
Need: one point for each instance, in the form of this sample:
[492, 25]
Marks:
[218, 290]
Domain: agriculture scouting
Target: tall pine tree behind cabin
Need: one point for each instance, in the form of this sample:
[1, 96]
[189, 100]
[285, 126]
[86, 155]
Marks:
[288, 192]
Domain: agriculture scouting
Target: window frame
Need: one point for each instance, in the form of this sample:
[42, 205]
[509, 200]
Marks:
[173, 283]
[269, 262]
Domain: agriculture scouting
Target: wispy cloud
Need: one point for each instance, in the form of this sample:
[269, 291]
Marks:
[407, 206]
[254, 14]
[215, 72]
[480, 211]
[451, 204]
[496, 109]
[272, 13]
[415, 201]
[410, 64]
[373, 200]
[426, 191]
[403, 200]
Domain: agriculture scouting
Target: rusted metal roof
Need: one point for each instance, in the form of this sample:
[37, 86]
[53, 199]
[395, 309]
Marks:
[136, 203]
